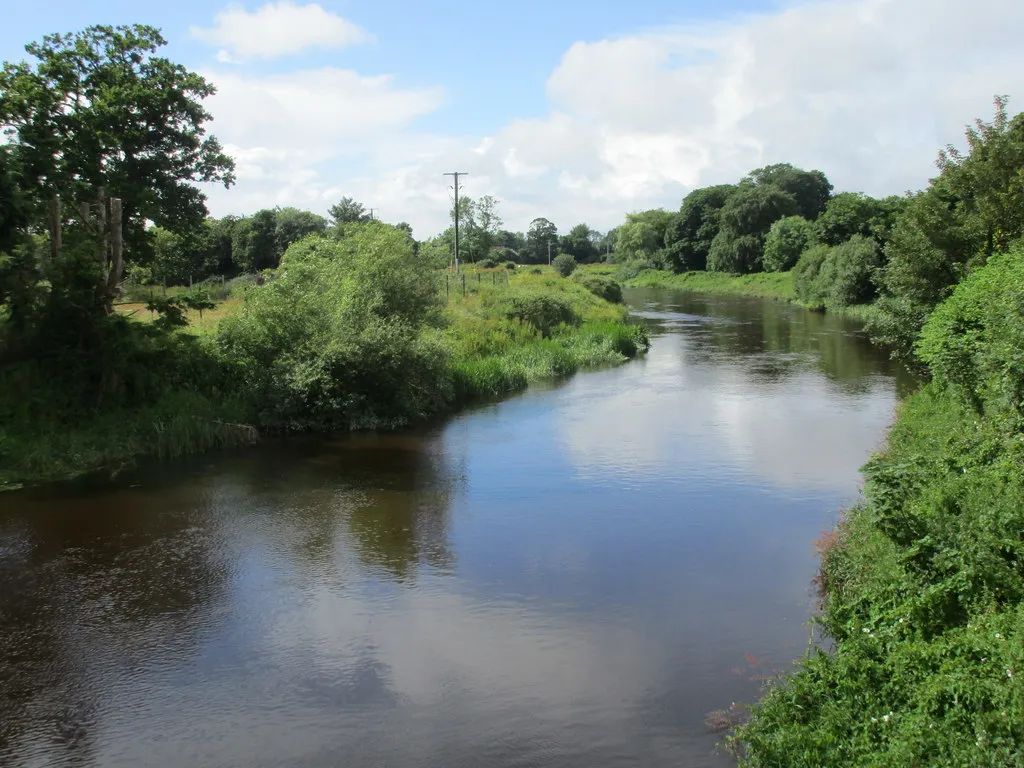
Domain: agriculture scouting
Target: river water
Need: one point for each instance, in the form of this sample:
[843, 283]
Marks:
[572, 577]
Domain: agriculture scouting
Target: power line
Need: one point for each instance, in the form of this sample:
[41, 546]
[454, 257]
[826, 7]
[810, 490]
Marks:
[456, 174]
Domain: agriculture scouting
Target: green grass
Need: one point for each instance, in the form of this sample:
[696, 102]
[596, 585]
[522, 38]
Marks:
[765, 285]
[495, 354]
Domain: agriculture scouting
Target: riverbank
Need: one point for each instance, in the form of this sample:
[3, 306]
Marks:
[922, 584]
[278, 363]
[776, 286]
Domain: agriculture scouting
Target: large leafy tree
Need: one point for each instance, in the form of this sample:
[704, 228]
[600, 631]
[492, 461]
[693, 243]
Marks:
[689, 234]
[810, 189]
[853, 213]
[580, 244]
[746, 218]
[540, 234]
[347, 211]
[99, 112]
[642, 234]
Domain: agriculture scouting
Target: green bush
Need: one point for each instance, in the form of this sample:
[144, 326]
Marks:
[601, 285]
[543, 310]
[974, 341]
[564, 264]
[786, 240]
[848, 274]
[806, 273]
[336, 340]
[837, 276]
[510, 265]
[487, 263]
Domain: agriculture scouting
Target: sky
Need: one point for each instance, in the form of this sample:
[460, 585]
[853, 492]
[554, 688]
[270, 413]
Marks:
[574, 111]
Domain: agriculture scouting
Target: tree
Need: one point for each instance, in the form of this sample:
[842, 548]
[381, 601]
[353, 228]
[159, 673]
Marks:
[643, 234]
[347, 211]
[853, 213]
[480, 224]
[786, 240]
[292, 224]
[539, 237]
[254, 245]
[579, 244]
[745, 220]
[810, 189]
[19, 266]
[178, 258]
[990, 177]
[689, 234]
[100, 114]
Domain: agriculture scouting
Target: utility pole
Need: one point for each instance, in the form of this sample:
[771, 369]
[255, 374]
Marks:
[456, 174]
[549, 253]
[371, 213]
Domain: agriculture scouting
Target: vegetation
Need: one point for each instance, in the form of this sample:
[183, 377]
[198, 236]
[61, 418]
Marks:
[922, 584]
[133, 324]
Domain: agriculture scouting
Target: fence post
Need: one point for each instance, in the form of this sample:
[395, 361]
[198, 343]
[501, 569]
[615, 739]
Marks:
[463, 283]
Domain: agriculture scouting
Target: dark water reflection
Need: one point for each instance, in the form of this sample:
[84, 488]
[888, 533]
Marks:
[573, 577]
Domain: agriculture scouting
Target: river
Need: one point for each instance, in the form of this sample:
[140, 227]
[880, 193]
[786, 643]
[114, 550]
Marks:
[573, 577]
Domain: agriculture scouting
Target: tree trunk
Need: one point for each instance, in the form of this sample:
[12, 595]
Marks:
[113, 286]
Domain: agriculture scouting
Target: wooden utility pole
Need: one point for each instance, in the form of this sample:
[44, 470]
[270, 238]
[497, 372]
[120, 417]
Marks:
[456, 174]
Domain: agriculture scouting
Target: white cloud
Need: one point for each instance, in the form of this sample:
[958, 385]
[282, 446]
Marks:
[865, 90]
[277, 29]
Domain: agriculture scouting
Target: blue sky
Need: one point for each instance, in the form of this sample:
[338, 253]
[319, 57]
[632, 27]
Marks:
[575, 111]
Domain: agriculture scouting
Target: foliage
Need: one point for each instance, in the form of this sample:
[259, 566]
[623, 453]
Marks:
[974, 341]
[642, 235]
[541, 235]
[348, 211]
[810, 190]
[970, 211]
[745, 220]
[564, 264]
[787, 239]
[336, 341]
[600, 285]
[580, 243]
[837, 276]
[690, 233]
[542, 310]
[853, 213]
[99, 109]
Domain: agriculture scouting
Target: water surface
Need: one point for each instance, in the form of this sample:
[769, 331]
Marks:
[572, 577]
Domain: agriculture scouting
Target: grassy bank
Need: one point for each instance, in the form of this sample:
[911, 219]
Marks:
[922, 583]
[765, 285]
[328, 346]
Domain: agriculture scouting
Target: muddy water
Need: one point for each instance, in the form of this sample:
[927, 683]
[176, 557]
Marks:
[572, 577]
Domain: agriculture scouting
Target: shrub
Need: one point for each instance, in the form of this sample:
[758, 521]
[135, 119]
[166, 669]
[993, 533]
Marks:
[335, 341]
[487, 263]
[838, 276]
[601, 285]
[510, 265]
[737, 254]
[847, 276]
[805, 275]
[786, 240]
[544, 311]
[564, 264]
[974, 341]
